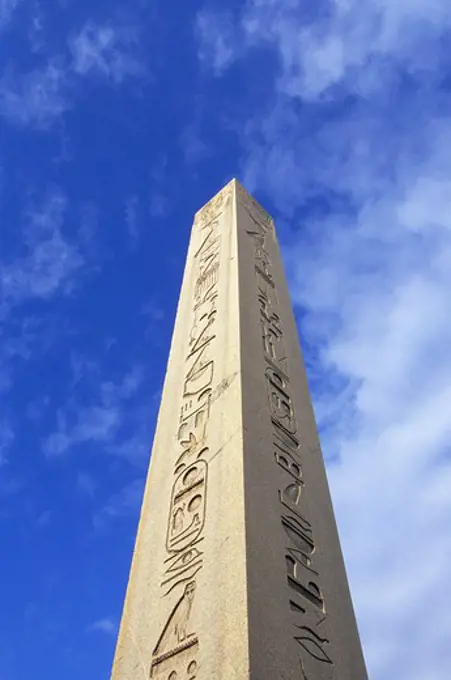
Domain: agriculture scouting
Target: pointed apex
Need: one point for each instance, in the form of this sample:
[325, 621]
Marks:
[214, 206]
[245, 198]
[234, 189]
[235, 183]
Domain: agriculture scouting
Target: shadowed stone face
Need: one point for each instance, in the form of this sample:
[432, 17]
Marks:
[237, 572]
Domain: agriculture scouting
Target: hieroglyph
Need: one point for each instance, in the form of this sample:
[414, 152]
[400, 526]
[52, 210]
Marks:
[309, 627]
[175, 656]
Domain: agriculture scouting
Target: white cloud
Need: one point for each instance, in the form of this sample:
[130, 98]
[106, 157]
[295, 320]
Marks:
[51, 260]
[218, 39]
[123, 504]
[336, 42]
[99, 420]
[105, 50]
[353, 151]
[35, 98]
[106, 625]
[48, 264]
[7, 8]
[39, 97]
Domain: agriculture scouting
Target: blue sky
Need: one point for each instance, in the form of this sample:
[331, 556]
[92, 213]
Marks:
[117, 121]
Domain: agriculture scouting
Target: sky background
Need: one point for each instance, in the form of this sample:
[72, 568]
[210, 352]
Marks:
[118, 120]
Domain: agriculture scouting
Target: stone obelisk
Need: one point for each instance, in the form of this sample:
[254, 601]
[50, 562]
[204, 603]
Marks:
[237, 572]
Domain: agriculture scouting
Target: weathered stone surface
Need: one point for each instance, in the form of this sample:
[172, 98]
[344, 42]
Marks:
[237, 572]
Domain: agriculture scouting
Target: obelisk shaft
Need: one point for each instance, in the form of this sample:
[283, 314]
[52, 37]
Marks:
[237, 572]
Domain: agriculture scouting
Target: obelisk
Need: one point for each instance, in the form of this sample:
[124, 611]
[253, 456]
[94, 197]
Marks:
[237, 572]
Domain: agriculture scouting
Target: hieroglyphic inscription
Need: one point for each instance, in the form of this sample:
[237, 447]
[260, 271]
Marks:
[175, 656]
[213, 208]
[305, 597]
[254, 210]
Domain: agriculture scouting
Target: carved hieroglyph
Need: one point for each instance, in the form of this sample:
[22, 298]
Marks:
[237, 572]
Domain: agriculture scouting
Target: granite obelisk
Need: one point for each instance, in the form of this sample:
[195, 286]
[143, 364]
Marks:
[237, 572]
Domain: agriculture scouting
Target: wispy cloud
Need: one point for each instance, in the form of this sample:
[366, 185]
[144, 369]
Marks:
[105, 50]
[219, 37]
[122, 505]
[153, 311]
[98, 420]
[35, 98]
[47, 264]
[7, 8]
[50, 261]
[106, 625]
[352, 151]
[349, 44]
[343, 43]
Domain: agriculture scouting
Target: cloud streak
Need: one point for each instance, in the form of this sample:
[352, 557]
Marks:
[7, 8]
[106, 51]
[106, 625]
[98, 421]
[51, 260]
[46, 266]
[36, 98]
